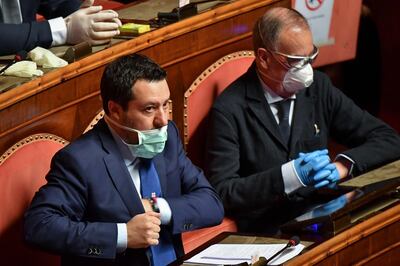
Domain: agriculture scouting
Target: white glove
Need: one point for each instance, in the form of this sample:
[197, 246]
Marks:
[46, 58]
[92, 24]
[87, 3]
[24, 69]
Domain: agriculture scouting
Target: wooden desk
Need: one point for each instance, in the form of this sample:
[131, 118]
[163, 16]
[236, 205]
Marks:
[64, 101]
[375, 241]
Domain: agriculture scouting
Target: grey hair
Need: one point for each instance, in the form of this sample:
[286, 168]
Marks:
[266, 31]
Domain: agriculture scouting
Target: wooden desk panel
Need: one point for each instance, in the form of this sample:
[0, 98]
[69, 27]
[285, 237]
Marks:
[375, 241]
[65, 100]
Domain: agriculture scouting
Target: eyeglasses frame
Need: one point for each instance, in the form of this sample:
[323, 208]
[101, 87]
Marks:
[304, 59]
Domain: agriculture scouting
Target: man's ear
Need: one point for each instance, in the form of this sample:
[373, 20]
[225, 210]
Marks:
[263, 57]
[115, 110]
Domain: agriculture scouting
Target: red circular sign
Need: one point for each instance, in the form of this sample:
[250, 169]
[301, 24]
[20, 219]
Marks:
[314, 4]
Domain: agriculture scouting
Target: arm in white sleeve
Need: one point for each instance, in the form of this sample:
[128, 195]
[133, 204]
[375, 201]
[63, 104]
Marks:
[290, 179]
[58, 31]
[122, 237]
[165, 211]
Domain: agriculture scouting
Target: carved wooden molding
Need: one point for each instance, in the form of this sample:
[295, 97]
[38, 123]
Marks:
[31, 139]
[96, 119]
[147, 40]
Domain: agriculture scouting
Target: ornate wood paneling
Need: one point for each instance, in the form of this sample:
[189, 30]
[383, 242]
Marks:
[64, 101]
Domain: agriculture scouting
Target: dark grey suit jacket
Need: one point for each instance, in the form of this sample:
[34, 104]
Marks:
[245, 150]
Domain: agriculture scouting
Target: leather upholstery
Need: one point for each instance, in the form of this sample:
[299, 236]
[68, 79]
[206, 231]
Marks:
[201, 95]
[22, 171]
[196, 238]
[198, 101]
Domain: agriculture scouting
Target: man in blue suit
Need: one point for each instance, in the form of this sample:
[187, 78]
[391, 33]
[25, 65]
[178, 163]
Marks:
[124, 192]
[65, 23]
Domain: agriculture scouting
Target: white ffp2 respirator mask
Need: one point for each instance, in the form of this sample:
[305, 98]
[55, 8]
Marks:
[297, 79]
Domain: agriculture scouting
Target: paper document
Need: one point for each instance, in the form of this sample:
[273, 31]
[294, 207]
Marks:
[236, 253]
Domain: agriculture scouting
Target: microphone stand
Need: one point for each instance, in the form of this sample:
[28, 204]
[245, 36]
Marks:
[292, 242]
[21, 55]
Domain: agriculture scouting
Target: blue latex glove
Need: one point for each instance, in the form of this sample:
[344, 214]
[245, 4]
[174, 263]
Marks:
[334, 176]
[308, 165]
[330, 206]
[328, 175]
[321, 178]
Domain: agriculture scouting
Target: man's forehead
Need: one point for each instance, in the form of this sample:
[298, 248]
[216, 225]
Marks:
[155, 91]
[295, 40]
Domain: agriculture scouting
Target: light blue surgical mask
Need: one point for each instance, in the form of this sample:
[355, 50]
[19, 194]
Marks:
[151, 142]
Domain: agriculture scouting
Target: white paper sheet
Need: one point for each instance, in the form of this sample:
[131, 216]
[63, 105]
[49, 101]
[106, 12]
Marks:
[183, 2]
[236, 253]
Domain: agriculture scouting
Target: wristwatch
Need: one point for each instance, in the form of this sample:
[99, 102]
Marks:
[154, 205]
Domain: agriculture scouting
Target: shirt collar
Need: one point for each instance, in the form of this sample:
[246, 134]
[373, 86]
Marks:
[126, 153]
[270, 95]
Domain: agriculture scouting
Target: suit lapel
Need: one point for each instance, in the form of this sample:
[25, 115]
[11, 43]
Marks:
[119, 172]
[259, 106]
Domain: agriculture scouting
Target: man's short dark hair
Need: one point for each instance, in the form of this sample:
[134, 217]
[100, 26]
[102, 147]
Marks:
[121, 75]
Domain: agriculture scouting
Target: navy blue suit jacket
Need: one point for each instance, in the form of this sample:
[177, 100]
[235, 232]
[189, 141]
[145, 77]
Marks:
[30, 33]
[89, 190]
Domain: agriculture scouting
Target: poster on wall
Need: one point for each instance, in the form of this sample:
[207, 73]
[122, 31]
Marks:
[318, 14]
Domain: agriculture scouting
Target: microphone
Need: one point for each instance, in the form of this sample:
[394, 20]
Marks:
[294, 241]
[21, 55]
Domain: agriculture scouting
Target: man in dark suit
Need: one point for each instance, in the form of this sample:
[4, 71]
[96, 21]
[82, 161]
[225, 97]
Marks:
[65, 23]
[124, 192]
[264, 159]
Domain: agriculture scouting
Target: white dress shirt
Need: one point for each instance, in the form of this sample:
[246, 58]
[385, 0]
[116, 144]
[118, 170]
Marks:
[291, 180]
[132, 163]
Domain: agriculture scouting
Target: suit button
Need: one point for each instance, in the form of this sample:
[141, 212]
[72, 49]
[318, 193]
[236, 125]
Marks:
[97, 251]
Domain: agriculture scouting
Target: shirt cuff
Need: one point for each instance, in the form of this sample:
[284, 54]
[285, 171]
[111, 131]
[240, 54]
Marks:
[58, 31]
[122, 237]
[165, 211]
[342, 156]
[290, 179]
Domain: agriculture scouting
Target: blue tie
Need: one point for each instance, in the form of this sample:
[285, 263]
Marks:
[164, 252]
